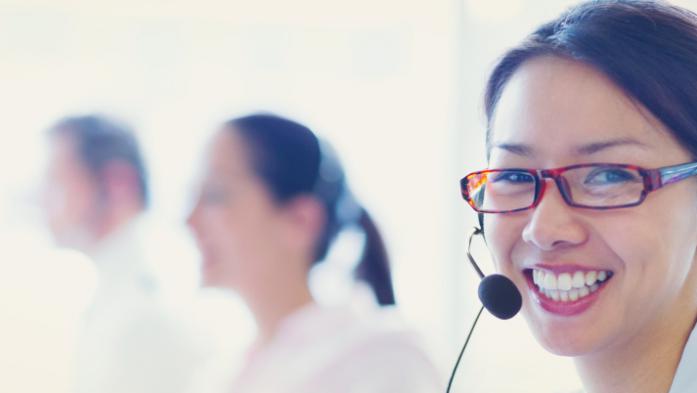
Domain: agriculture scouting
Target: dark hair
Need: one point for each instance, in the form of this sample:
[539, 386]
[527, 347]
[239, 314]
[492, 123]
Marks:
[291, 161]
[647, 48]
[101, 141]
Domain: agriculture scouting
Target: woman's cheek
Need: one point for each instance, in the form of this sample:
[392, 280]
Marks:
[500, 239]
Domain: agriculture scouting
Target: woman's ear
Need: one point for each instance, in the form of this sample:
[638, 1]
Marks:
[305, 219]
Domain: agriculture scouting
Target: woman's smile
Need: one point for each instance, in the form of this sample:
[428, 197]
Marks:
[566, 289]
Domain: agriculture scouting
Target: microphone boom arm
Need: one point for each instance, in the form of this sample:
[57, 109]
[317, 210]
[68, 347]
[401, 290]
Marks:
[462, 351]
[476, 231]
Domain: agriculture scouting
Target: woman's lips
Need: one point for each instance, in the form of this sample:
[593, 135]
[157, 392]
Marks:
[566, 290]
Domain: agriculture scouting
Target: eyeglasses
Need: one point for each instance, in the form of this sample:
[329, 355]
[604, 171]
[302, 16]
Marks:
[589, 186]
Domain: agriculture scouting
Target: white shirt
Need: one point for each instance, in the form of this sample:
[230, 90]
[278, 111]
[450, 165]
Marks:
[130, 343]
[322, 349]
[685, 380]
[43, 294]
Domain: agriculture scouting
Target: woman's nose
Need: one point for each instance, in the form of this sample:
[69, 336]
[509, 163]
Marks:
[553, 224]
[192, 219]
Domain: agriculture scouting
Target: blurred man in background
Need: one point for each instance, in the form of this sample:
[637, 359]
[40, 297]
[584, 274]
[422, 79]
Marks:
[95, 197]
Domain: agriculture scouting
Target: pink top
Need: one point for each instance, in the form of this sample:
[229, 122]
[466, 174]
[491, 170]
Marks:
[339, 350]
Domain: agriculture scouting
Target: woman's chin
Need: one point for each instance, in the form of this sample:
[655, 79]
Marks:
[568, 334]
[564, 342]
[213, 277]
[564, 347]
[210, 277]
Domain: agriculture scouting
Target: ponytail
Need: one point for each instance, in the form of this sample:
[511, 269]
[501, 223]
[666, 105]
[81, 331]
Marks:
[374, 267]
[345, 211]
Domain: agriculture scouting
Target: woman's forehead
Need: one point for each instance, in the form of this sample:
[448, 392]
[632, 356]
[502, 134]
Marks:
[227, 153]
[558, 106]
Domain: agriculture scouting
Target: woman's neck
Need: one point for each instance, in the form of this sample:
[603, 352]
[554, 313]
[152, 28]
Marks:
[272, 304]
[644, 364]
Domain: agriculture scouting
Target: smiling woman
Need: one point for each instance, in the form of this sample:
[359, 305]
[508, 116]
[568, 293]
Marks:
[273, 200]
[602, 102]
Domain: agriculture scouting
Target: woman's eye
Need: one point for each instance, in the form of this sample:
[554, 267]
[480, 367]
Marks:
[513, 177]
[214, 195]
[610, 176]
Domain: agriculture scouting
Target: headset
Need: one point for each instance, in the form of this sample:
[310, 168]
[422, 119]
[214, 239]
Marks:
[497, 293]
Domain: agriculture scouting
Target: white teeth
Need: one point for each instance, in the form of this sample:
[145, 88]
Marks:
[564, 282]
[550, 281]
[554, 295]
[579, 280]
[591, 277]
[564, 296]
[583, 292]
[573, 295]
[568, 286]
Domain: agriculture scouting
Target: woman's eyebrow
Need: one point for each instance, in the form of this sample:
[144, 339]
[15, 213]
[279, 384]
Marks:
[586, 149]
[596, 147]
[515, 148]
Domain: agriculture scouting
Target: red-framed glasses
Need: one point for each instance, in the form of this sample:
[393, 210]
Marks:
[590, 186]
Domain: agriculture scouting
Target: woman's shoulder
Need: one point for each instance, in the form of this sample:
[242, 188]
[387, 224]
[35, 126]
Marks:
[382, 338]
[391, 355]
[345, 346]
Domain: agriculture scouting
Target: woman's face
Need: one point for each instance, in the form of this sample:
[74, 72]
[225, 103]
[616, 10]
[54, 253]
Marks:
[631, 267]
[236, 222]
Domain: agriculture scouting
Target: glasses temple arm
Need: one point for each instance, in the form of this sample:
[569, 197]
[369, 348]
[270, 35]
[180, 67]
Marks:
[675, 173]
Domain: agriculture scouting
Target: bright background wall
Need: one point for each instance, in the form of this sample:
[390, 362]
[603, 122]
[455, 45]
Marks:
[395, 85]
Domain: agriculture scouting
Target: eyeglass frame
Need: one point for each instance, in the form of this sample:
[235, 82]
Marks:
[653, 179]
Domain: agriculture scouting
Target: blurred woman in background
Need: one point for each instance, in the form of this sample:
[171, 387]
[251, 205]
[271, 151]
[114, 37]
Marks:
[272, 201]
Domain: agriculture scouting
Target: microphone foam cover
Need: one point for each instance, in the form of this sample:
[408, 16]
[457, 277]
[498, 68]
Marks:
[500, 296]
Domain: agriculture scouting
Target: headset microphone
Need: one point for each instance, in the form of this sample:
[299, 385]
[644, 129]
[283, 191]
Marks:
[498, 295]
